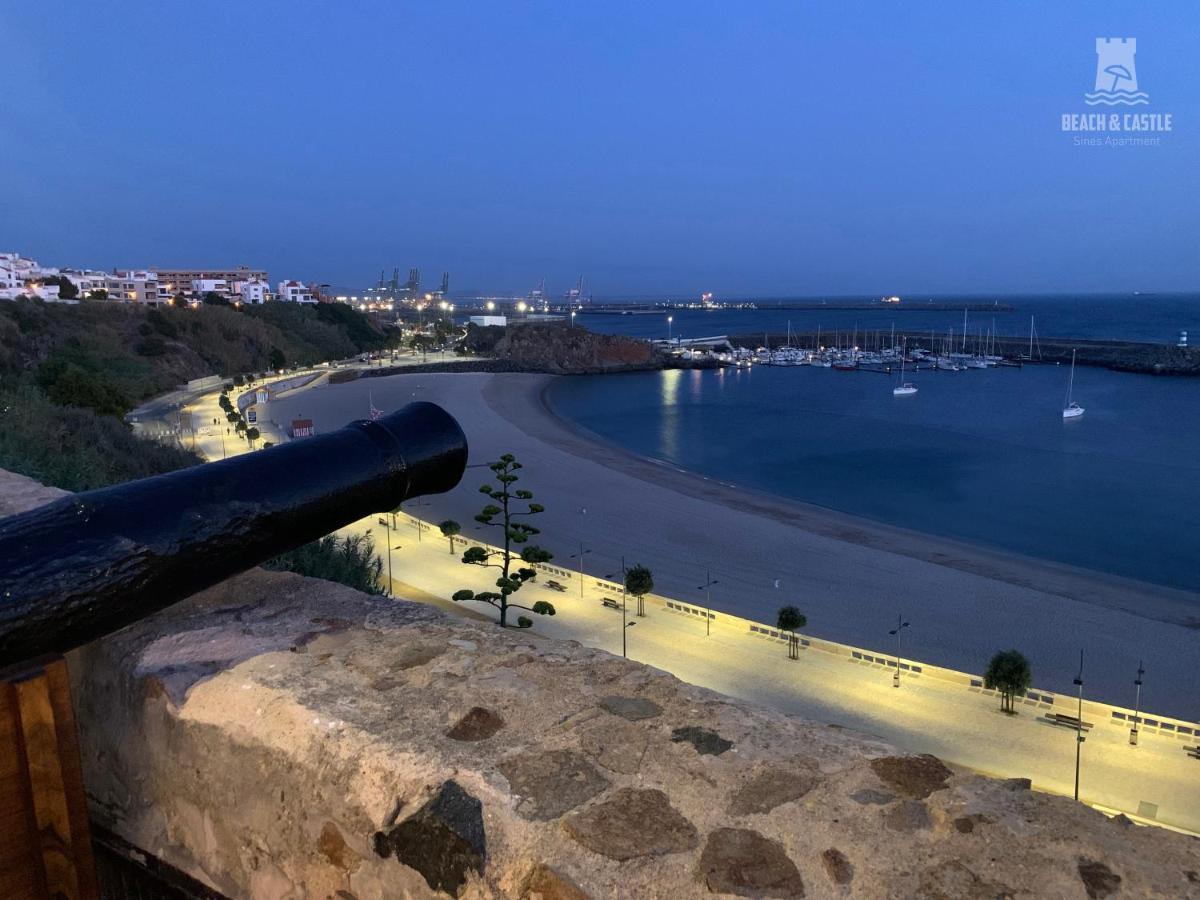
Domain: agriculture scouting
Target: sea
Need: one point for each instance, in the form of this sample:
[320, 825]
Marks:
[982, 456]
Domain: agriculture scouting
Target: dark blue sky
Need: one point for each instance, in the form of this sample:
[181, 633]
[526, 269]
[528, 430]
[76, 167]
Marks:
[790, 148]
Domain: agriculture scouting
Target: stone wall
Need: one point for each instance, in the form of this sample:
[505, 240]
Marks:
[280, 737]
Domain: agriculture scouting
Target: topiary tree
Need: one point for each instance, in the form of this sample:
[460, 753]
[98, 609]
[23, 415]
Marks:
[240, 425]
[515, 531]
[449, 529]
[790, 619]
[252, 435]
[639, 581]
[1008, 673]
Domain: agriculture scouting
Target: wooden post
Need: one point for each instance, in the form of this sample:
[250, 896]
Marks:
[45, 845]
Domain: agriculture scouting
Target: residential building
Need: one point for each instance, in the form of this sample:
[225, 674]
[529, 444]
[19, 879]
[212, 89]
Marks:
[176, 281]
[254, 292]
[135, 286]
[294, 292]
[202, 286]
[88, 281]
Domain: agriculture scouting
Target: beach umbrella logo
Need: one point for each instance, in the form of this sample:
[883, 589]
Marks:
[1116, 75]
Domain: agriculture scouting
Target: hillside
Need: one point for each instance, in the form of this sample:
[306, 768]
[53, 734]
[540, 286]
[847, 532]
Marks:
[68, 374]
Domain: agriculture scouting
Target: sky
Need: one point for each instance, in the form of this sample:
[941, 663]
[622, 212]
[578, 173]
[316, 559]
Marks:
[757, 149]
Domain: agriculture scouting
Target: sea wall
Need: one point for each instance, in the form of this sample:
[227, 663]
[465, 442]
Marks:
[278, 736]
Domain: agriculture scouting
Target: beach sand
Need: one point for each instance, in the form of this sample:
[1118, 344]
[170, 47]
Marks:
[852, 577]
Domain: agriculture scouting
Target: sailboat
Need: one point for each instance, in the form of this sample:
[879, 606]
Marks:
[906, 388]
[1071, 409]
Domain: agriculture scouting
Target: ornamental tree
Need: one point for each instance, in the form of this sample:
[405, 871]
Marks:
[790, 619]
[502, 513]
[639, 581]
[1008, 673]
[449, 529]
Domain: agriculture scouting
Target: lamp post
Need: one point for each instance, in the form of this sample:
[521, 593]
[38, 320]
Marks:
[900, 626]
[1079, 724]
[709, 581]
[670, 319]
[1137, 702]
[580, 555]
[388, 529]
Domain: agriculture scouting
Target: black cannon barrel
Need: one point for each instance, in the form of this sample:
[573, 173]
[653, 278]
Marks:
[89, 564]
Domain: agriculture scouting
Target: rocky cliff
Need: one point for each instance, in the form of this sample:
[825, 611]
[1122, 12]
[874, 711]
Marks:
[560, 349]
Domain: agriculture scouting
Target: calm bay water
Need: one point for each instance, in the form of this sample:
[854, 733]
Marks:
[1154, 318]
[980, 455]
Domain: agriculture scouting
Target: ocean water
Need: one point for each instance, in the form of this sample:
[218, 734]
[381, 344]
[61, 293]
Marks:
[1155, 318]
[981, 455]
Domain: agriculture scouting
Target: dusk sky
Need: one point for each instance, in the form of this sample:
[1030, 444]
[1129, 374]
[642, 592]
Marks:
[747, 149]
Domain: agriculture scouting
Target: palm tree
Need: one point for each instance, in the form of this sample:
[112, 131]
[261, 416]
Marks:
[790, 618]
[1008, 673]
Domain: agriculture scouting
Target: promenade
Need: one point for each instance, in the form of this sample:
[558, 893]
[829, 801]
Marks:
[1155, 781]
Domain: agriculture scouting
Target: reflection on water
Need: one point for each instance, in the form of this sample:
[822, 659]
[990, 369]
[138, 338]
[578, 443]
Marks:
[980, 455]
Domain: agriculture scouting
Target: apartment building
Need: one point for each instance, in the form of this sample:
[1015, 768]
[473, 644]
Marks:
[294, 292]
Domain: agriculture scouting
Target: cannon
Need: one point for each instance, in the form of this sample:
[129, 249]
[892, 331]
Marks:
[92, 563]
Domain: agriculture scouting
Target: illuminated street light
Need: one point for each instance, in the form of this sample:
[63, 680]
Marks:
[670, 319]
[521, 307]
[582, 552]
[490, 306]
[900, 626]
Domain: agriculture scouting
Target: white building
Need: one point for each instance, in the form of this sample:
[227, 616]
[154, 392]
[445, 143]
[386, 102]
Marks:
[294, 292]
[254, 292]
[488, 320]
[202, 286]
[88, 281]
[21, 277]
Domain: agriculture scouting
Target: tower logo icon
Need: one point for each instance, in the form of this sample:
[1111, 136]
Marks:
[1116, 75]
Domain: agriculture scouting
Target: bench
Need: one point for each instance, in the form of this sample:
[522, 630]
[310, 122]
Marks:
[1193, 752]
[1067, 721]
[610, 603]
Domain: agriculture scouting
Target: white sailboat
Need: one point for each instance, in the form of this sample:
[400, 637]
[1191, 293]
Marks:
[1071, 409]
[906, 388]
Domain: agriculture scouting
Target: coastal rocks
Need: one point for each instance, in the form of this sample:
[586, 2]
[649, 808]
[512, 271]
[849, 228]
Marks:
[478, 724]
[837, 866]
[443, 841]
[633, 823]
[1098, 879]
[631, 708]
[551, 783]
[616, 745]
[707, 743]
[772, 787]
[916, 776]
[562, 350]
[743, 862]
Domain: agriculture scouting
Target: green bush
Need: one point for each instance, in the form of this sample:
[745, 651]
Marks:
[351, 561]
[75, 449]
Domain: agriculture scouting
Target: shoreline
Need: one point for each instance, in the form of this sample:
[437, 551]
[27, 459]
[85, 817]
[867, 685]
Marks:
[851, 577]
[1176, 606]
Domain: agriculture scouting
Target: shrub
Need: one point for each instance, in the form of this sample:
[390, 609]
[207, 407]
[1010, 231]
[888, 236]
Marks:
[351, 561]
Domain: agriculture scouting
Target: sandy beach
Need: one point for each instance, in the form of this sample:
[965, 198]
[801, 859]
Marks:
[850, 576]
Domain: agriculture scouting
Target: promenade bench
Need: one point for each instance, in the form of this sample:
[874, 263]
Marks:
[610, 603]
[555, 586]
[1193, 752]
[1067, 721]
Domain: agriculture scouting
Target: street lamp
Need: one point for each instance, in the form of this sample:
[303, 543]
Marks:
[572, 318]
[670, 319]
[1079, 724]
[580, 556]
[709, 581]
[1133, 732]
[900, 626]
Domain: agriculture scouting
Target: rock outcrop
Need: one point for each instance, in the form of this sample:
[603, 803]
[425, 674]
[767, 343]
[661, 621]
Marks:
[562, 350]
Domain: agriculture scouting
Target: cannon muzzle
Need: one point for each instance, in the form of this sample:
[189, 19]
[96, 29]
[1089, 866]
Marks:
[89, 564]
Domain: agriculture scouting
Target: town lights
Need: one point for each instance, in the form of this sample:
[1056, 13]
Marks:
[490, 306]
[521, 307]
